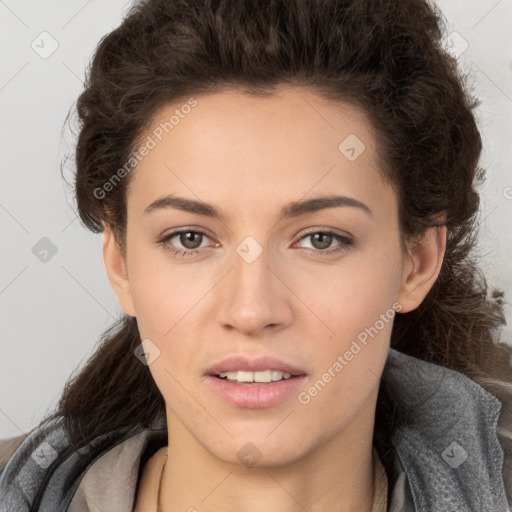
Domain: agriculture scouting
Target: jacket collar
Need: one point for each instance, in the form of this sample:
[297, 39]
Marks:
[448, 446]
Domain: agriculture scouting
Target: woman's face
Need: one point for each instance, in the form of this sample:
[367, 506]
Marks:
[315, 287]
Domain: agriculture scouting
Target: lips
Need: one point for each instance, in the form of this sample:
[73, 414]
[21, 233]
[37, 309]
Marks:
[262, 363]
[255, 395]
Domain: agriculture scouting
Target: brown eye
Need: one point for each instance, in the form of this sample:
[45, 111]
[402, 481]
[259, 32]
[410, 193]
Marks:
[184, 242]
[190, 239]
[321, 240]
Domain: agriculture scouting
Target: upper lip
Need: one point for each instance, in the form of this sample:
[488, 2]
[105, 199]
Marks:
[244, 363]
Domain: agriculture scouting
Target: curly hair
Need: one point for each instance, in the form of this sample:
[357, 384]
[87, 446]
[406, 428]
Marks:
[386, 57]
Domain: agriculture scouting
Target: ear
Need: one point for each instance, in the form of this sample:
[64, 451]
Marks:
[115, 265]
[421, 271]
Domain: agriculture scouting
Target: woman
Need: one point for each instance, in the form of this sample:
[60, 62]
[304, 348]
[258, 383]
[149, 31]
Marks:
[287, 196]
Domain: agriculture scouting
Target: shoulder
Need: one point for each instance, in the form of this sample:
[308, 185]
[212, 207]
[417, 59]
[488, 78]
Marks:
[8, 447]
[458, 429]
[45, 467]
[24, 461]
[502, 389]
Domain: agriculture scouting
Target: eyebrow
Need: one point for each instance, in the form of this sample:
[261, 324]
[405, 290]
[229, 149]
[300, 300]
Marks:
[291, 210]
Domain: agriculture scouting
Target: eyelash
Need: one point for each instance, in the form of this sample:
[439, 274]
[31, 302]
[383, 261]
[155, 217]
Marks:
[345, 243]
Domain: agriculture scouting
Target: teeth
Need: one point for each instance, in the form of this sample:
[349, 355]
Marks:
[263, 376]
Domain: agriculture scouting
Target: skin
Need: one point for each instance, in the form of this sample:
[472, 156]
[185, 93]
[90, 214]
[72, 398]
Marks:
[249, 157]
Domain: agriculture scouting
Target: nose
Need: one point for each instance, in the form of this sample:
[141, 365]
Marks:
[254, 297]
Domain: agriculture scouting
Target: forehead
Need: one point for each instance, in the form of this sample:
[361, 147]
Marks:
[276, 146]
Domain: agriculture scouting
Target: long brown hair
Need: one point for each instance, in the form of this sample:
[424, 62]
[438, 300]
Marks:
[384, 56]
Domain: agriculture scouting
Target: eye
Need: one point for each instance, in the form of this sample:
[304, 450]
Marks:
[322, 241]
[190, 240]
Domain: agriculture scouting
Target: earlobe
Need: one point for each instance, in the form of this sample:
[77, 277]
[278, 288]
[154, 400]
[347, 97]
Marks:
[115, 266]
[426, 258]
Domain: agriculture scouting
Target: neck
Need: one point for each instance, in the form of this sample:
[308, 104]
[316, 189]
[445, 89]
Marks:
[337, 475]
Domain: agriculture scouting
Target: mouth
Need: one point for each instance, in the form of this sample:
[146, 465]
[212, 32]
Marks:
[263, 369]
[255, 395]
[247, 378]
[254, 383]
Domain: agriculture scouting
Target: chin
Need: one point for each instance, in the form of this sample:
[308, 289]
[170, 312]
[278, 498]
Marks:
[258, 451]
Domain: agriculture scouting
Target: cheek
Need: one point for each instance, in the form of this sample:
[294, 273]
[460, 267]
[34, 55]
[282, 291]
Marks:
[163, 292]
[356, 308]
[353, 295]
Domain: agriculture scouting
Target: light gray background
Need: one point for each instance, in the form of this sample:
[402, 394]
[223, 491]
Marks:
[52, 313]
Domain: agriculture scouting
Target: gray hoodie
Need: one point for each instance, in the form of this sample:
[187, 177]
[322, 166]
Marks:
[455, 456]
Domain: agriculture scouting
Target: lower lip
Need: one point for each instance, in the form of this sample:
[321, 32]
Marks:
[255, 396]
